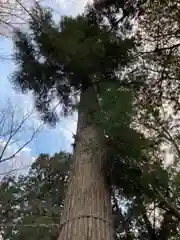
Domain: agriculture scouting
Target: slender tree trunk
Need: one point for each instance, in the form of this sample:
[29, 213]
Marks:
[150, 229]
[87, 211]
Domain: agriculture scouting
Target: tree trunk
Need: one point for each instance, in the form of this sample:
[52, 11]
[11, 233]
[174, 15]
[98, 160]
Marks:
[87, 212]
[149, 227]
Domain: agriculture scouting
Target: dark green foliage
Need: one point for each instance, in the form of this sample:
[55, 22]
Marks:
[56, 61]
[134, 170]
[36, 199]
[129, 10]
[127, 148]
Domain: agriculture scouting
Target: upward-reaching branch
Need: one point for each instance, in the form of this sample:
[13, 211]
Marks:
[10, 129]
[14, 14]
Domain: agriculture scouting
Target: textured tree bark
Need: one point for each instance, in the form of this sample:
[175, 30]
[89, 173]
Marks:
[87, 211]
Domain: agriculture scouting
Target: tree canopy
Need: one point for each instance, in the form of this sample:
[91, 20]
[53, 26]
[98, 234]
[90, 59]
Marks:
[53, 66]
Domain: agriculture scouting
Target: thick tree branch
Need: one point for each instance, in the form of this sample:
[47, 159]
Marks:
[169, 205]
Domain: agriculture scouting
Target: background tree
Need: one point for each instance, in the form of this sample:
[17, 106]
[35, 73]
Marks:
[30, 206]
[158, 99]
[137, 175]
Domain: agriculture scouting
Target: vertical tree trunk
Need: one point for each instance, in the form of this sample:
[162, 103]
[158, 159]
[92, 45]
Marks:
[87, 211]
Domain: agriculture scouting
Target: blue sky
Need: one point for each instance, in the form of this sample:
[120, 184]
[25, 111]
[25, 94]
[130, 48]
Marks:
[48, 140]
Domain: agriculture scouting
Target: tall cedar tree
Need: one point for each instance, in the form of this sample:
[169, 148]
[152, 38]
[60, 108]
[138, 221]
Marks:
[56, 62]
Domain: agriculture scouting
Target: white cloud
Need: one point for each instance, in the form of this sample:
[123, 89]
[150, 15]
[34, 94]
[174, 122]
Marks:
[69, 125]
[66, 129]
[26, 149]
[70, 7]
[22, 160]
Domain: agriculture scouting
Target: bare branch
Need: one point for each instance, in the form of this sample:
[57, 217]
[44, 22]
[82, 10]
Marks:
[21, 148]
[14, 14]
[15, 170]
[11, 128]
